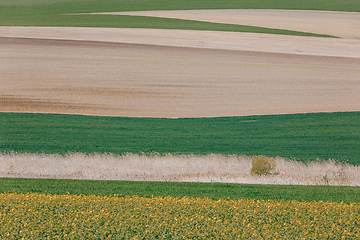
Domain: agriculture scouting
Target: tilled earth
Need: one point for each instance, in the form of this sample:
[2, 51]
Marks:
[175, 73]
[97, 78]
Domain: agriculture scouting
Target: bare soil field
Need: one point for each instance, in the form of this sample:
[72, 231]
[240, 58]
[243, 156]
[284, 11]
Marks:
[180, 73]
[174, 73]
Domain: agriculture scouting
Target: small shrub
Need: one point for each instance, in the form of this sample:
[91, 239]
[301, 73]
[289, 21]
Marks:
[262, 165]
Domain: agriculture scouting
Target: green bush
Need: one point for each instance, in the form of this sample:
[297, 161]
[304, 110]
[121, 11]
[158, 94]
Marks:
[262, 165]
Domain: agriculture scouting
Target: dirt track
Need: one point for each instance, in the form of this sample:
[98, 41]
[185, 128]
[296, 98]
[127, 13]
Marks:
[176, 75]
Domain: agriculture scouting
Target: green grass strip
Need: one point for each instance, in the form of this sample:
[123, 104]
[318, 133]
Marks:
[296, 136]
[52, 13]
[118, 21]
[81, 6]
[208, 190]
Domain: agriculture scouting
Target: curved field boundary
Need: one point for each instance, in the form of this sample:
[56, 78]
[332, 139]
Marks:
[54, 13]
[340, 24]
[196, 39]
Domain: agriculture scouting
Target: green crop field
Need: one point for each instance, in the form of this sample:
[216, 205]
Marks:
[55, 13]
[182, 189]
[297, 136]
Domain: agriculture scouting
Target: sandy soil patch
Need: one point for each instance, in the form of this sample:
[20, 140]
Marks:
[98, 78]
[340, 24]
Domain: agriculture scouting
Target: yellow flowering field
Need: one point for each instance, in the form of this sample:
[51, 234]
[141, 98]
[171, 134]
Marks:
[41, 216]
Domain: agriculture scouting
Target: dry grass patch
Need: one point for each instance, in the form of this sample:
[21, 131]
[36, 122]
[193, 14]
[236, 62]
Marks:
[181, 168]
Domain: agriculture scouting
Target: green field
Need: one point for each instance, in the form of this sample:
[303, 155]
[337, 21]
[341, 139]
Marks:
[202, 190]
[296, 136]
[53, 13]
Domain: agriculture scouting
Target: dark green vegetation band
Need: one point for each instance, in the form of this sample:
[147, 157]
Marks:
[54, 13]
[297, 136]
[83, 6]
[209, 190]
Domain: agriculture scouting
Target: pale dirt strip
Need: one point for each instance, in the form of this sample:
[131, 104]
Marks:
[184, 168]
[340, 24]
[196, 39]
